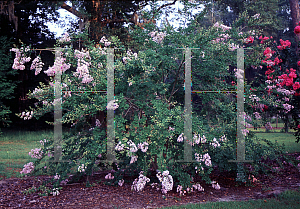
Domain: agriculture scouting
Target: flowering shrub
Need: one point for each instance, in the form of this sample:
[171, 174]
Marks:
[148, 107]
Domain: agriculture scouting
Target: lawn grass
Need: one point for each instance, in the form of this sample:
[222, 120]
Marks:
[14, 149]
[288, 199]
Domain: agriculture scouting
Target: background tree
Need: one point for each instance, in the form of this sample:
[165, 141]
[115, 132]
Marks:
[7, 86]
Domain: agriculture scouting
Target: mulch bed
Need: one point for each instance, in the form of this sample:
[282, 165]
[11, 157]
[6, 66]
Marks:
[104, 196]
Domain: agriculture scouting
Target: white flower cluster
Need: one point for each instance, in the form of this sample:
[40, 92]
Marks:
[215, 185]
[139, 183]
[223, 27]
[55, 192]
[37, 64]
[132, 146]
[157, 37]
[119, 147]
[180, 138]
[36, 153]
[166, 181]
[27, 115]
[233, 46]
[254, 97]
[81, 168]
[105, 41]
[109, 176]
[65, 38]
[238, 73]
[205, 158]
[215, 143]
[112, 105]
[223, 138]
[143, 146]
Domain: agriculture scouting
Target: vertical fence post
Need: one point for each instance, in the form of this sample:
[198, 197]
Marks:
[188, 108]
[110, 111]
[57, 108]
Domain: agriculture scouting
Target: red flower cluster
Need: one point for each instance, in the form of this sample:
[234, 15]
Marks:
[250, 40]
[297, 30]
[284, 44]
[288, 80]
[268, 53]
[263, 39]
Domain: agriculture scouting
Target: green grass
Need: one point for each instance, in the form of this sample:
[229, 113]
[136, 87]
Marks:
[288, 139]
[288, 200]
[14, 149]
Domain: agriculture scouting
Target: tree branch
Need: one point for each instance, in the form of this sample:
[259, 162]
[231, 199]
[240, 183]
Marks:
[165, 5]
[73, 11]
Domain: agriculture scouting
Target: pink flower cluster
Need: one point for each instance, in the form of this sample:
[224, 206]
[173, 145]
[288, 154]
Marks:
[139, 183]
[65, 38]
[20, 58]
[82, 70]
[143, 146]
[105, 41]
[157, 37]
[166, 181]
[27, 168]
[121, 182]
[130, 56]
[215, 185]
[37, 64]
[205, 158]
[132, 146]
[109, 176]
[36, 153]
[133, 159]
[60, 65]
[287, 107]
[194, 187]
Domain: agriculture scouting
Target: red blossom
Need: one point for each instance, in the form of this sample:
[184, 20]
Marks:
[297, 30]
[299, 126]
[263, 39]
[298, 63]
[268, 53]
[248, 40]
[296, 86]
[277, 61]
[292, 75]
[284, 44]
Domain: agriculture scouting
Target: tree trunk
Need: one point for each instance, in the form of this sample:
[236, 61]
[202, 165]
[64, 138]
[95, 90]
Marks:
[295, 13]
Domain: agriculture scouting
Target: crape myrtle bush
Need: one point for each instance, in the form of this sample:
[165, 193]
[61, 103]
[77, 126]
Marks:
[149, 110]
